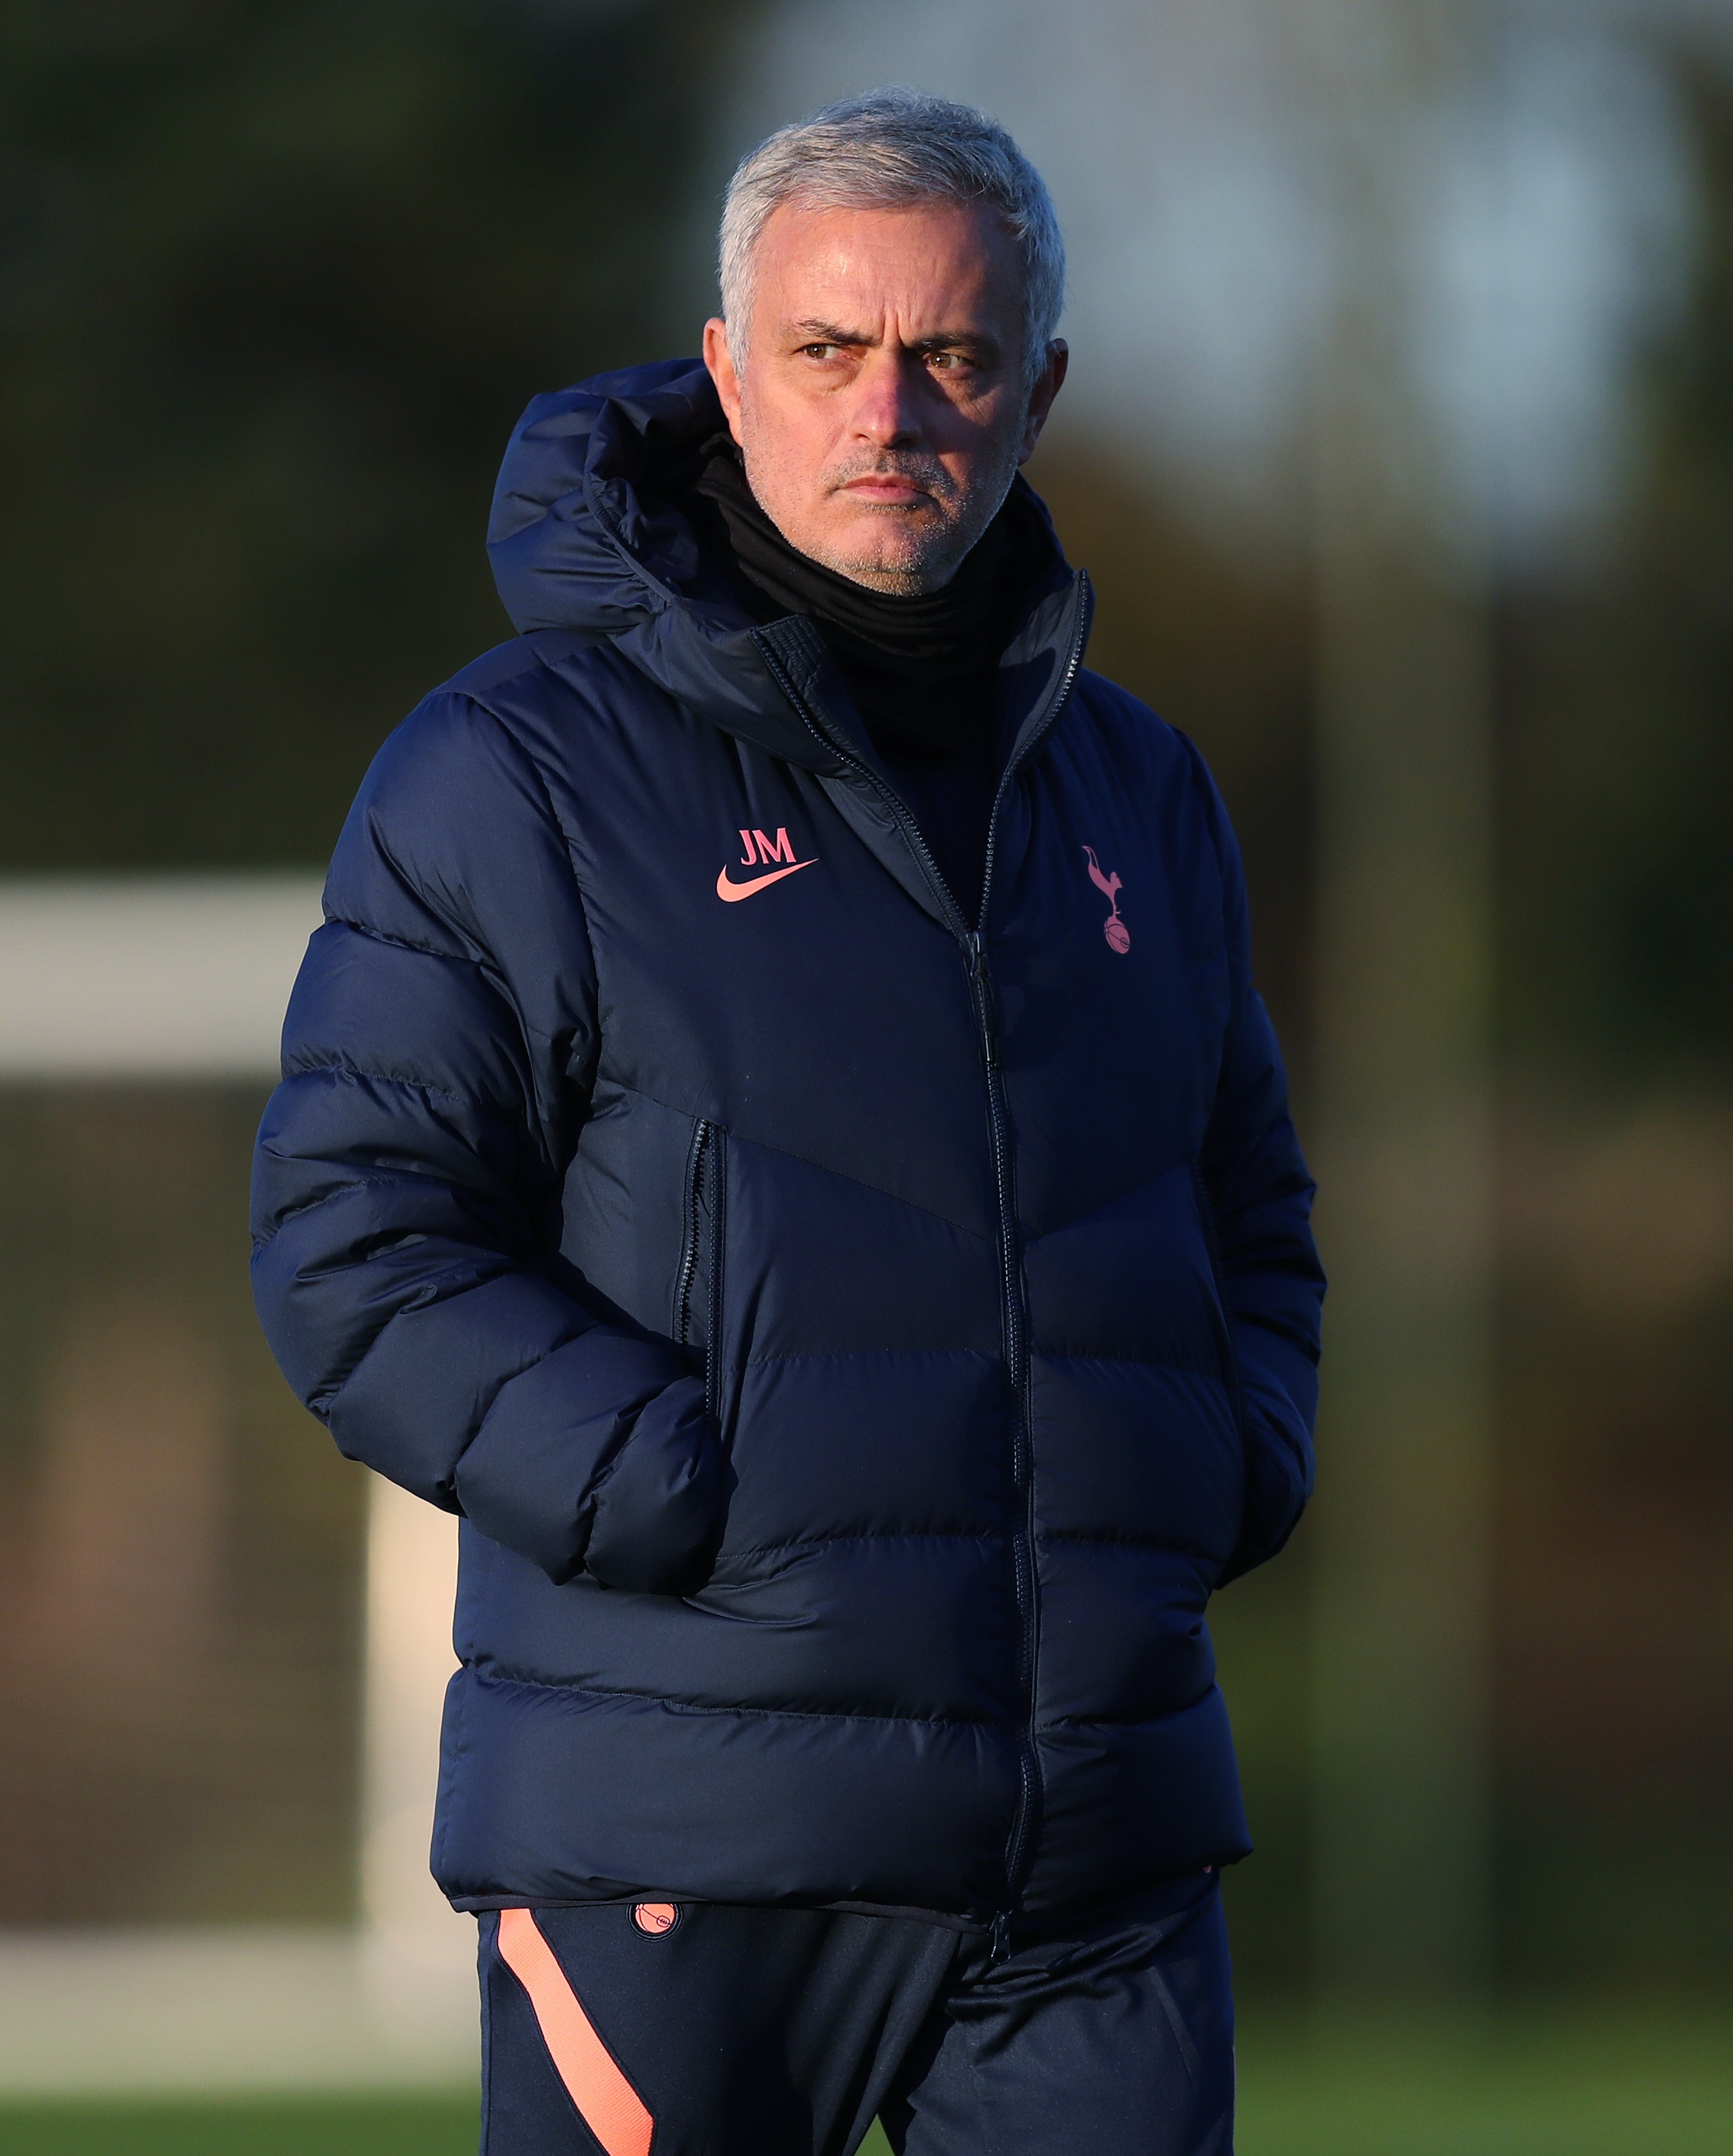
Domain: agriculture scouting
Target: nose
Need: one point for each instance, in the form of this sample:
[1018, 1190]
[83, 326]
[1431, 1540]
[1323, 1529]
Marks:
[885, 410]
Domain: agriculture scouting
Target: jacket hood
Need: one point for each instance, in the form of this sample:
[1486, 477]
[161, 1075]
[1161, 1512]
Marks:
[587, 541]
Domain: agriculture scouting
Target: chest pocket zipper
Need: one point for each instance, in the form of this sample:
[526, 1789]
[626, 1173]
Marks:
[697, 1283]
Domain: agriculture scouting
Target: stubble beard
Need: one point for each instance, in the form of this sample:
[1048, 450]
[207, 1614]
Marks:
[935, 535]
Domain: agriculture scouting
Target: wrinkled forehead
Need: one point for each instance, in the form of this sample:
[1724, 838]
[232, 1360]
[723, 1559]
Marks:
[914, 270]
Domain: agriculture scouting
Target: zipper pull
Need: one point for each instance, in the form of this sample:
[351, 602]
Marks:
[984, 1000]
[1000, 1948]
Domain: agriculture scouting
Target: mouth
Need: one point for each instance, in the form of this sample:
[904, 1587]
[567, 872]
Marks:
[888, 490]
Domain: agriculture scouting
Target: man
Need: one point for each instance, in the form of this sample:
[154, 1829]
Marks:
[777, 1133]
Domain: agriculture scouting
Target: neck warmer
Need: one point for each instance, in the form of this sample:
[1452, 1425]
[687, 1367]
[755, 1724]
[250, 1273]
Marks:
[920, 668]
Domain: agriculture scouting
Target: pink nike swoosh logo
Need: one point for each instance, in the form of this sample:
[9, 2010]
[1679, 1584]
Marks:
[731, 891]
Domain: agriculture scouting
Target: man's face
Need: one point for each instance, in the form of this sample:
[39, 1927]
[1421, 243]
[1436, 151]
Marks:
[880, 404]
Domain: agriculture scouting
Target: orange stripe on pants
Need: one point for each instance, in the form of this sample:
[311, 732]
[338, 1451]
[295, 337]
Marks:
[607, 2101]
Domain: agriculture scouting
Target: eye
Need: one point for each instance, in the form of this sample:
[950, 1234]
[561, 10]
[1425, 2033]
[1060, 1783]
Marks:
[820, 350]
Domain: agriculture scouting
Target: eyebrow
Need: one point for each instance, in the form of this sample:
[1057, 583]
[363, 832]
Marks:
[819, 332]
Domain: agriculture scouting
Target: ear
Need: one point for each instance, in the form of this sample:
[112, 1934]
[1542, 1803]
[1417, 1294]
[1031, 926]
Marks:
[719, 361]
[1058, 359]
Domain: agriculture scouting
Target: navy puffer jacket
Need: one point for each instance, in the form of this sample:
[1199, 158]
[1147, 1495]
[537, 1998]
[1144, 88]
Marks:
[856, 1339]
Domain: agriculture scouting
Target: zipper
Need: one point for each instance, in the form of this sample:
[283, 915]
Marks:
[690, 1207]
[701, 1228]
[1212, 1244]
[1020, 1843]
[713, 1159]
[1061, 697]
[1023, 1481]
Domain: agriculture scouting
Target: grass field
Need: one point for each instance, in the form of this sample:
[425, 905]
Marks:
[1603, 2088]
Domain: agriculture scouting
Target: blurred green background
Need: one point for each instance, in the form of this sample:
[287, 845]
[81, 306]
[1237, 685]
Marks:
[276, 279]
[1546, 2088]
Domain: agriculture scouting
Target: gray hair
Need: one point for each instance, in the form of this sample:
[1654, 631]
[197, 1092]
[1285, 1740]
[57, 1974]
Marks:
[886, 149]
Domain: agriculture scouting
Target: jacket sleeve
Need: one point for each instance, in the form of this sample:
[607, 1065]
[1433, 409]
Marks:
[1260, 1196]
[436, 1055]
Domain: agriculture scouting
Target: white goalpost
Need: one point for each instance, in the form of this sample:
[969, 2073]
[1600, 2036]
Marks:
[185, 978]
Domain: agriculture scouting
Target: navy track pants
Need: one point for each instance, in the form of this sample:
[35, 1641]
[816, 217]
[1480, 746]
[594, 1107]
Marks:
[704, 2028]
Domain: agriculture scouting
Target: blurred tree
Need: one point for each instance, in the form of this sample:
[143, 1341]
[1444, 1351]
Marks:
[1615, 1622]
[278, 276]
[1618, 796]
